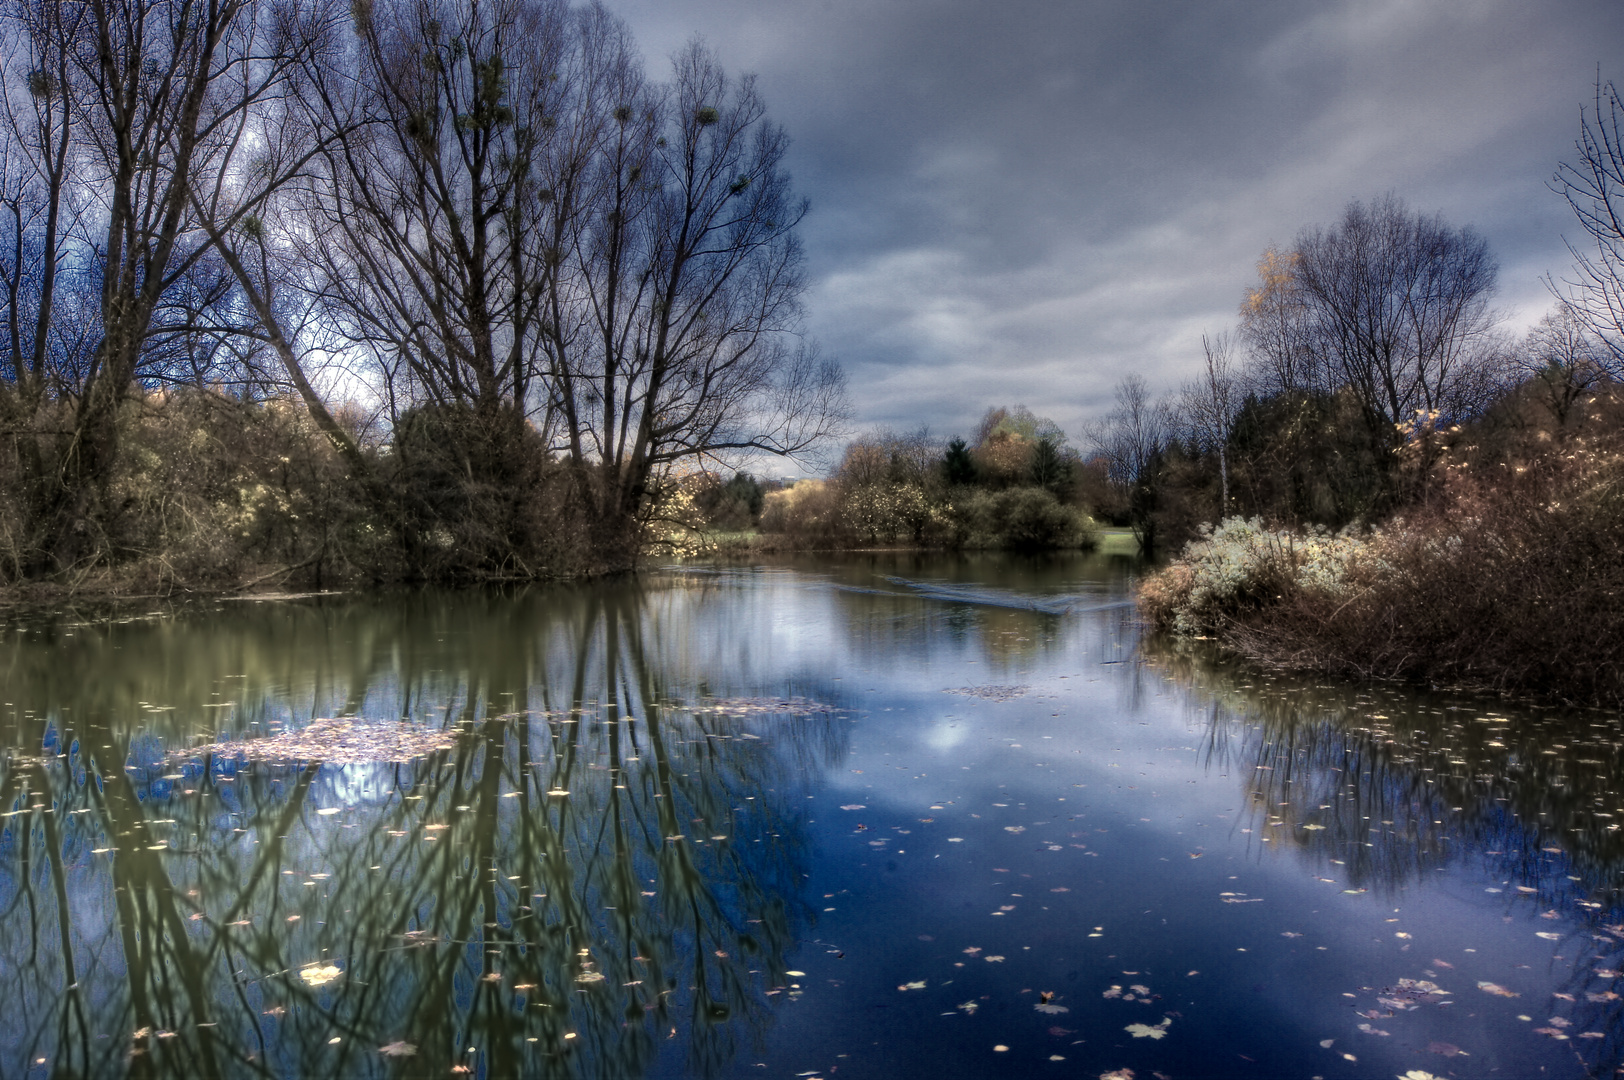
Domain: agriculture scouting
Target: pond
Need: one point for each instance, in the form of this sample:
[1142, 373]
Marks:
[874, 817]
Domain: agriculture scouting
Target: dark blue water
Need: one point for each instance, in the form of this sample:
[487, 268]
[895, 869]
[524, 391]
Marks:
[874, 818]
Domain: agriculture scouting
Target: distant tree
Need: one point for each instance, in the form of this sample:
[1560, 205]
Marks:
[958, 467]
[1390, 304]
[1050, 466]
[1129, 441]
[1005, 443]
[1593, 185]
[890, 457]
[1208, 405]
[1566, 360]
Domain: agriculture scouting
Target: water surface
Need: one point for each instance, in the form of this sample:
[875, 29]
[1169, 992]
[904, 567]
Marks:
[879, 817]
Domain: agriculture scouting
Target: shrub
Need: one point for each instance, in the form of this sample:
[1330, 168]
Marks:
[1240, 568]
[1022, 518]
[1512, 579]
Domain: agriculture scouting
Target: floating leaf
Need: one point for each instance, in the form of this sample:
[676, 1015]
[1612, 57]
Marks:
[1497, 990]
[328, 811]
[1148, 1031]
[398, 1049]
[919, 985]
[319, 974]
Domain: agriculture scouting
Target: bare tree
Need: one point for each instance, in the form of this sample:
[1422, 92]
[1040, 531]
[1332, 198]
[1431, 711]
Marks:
[1593, 186]
[1395, 306]
[131, 106]
[1209, 403]
[1129, 440]
[1274, 328]
[1567, 359]
[689, 272]
[530, 234]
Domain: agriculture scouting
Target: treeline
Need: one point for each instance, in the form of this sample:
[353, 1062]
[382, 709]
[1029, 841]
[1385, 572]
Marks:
[1398, 489]
[1016, 486]
[557, 281]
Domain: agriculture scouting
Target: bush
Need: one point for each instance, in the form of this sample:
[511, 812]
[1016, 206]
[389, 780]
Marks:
[1021, 518]
[1512, 579]
[1241, 568]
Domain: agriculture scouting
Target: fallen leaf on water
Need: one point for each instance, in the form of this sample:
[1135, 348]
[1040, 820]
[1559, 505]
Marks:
[919, 985]
[1117, 1074]
[1547, 935]
[1418, 1074]
[854, 806]
[1052, 1010]
[398, 1049]
[1446, 1049]
[328, 811]
[1591, 1035]
[320, 974]
[993, 959]
[972, 950]
[1371, 1030]
[1147, 1031]
[1554, 1033]
[1605, 995]
[969, 1007]
[1497, 990]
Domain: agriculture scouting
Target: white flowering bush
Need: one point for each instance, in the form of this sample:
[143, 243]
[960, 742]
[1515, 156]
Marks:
[1240, 566]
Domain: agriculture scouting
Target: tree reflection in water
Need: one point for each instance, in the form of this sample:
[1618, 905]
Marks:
[167, 908]
[1390, 784]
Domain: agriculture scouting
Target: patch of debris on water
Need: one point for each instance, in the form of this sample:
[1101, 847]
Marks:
[989, 693]
[339, 741]
[749, 706]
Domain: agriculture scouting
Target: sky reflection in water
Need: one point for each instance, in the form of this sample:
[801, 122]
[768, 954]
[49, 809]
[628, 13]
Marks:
[876, 817]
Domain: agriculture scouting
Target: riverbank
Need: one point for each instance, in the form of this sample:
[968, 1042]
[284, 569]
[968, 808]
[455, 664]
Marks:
[1513, 581]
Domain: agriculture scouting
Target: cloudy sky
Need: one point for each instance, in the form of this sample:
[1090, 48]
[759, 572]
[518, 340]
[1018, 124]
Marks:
[1020, 202]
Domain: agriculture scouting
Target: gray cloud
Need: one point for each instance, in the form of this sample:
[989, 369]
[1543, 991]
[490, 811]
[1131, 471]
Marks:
[1022, 202]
